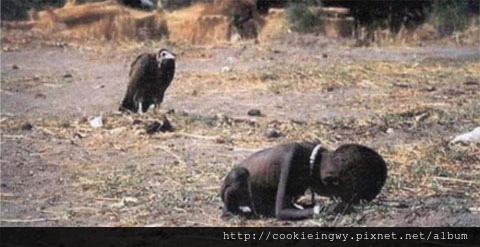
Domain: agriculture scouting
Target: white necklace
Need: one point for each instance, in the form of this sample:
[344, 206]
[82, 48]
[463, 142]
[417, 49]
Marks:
[313, 156]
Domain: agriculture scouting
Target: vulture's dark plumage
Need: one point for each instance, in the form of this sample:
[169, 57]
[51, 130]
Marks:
[150, 76]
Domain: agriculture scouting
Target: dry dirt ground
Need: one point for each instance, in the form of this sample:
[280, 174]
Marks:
[56, 170]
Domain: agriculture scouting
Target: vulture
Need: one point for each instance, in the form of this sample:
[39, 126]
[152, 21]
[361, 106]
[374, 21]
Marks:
[150, 75]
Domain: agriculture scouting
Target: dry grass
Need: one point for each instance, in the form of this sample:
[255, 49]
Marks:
[126, 177]
[106, 22]
[97, 23]
[94, 23]
[118, 175]
[275, 25]
[419, 35]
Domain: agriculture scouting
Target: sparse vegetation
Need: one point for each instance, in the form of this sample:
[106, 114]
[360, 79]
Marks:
[174, 178]
[406, 103]
[448, 16]
[17, 9]
[303, 17]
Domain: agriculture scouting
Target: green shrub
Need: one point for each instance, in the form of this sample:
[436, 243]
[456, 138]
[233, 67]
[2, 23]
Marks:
[448, 16]
[302, 17]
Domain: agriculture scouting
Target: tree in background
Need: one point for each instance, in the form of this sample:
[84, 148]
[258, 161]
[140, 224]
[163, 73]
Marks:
[17, 9]
[303, 17]
[448, 16]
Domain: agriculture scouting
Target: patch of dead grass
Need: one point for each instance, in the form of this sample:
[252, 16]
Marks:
[175, 177]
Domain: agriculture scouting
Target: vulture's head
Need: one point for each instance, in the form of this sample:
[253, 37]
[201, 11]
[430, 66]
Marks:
[165, 58]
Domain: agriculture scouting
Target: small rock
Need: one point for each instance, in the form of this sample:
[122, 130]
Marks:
[61, 44]
[226, 69]
[95, 122]
[155, 126]
[473, 136]
[27, 126]
[429, 89]
[137, 121]
[273, 133]
[15, 66]
[83, 120]
[116, 130]
[67, 75]
[152, 127]
[139, 132]
[268, 76]
[471, 82]
[220, 140]
[117, 205]
[183, 113]
[40, 96]
[325, 55]
[401, 84]
[65, 125]
[126, 201]
[130, 201]
[218, 117]
[390, 131]
[254, 113]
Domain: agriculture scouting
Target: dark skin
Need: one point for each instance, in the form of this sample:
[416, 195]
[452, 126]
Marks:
[278, 176]
[236, 191]
[358, 172]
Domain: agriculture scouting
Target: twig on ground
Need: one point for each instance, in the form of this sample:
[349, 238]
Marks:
[197, 136]
[456, 180]
[167, 150]
[28, 220]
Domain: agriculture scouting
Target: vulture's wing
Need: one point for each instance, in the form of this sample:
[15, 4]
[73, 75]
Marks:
[137, 62]
[138, 69]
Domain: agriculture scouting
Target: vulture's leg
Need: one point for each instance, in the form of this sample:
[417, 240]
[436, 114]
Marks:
[140, 108]
[157, 108]
[152, 107]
